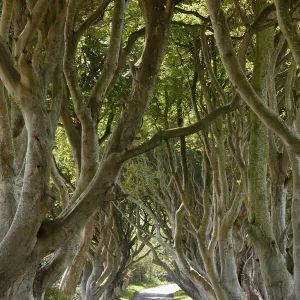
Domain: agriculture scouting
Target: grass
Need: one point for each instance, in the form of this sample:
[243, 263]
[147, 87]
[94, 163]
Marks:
[181, 295]
[133, 288]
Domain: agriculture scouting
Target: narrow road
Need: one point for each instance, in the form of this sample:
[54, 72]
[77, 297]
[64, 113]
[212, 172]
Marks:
[159, 292]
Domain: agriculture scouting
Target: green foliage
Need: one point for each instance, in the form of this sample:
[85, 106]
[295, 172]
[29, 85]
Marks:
[64, 158]
[55, 294]
[145, 268]
[92, 52]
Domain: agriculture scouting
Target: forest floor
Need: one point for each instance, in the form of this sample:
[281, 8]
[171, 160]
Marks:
[160, 292]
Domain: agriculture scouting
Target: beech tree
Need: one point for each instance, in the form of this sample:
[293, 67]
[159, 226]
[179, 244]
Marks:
[117, 79]
[266, 219]
[39, 40]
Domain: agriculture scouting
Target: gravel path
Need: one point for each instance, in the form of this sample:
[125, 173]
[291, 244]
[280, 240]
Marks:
[160, 292]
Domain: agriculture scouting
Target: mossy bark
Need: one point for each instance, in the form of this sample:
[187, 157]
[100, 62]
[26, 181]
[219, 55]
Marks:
[277, 279]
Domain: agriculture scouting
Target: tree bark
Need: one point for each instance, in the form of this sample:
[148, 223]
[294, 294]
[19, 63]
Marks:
[277, 279]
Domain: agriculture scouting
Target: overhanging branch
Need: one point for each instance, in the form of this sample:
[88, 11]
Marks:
[177, 132]
[8, 74]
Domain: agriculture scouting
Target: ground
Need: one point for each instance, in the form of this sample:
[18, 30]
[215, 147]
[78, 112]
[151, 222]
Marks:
[160, 292]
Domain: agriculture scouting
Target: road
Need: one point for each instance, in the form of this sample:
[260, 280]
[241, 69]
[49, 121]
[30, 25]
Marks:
[159, 292]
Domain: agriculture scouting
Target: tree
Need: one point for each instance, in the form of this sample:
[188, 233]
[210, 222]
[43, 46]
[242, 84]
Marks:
[42, 38]
[90, 83]
[268, 233]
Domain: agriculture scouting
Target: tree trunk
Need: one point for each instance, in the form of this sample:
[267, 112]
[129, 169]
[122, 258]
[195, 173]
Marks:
[23, 287]
[276, 277]
[229, 275]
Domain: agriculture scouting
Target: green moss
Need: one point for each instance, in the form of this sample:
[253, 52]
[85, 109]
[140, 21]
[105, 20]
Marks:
[55, 294]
